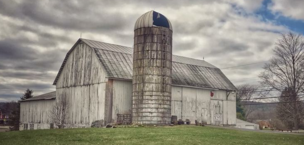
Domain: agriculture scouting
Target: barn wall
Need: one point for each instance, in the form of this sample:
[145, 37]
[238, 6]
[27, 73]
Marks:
[223, 108]
[197, 104]
[176, 102]
[86, 104]
[190, 103]
[81, 68]
[37, 113]
[186, 103]
[83, 81]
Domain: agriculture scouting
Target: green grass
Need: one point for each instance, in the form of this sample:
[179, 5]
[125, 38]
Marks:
[148, 135]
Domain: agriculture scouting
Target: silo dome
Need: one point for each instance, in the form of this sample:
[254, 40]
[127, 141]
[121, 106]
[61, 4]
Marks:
[152, 19]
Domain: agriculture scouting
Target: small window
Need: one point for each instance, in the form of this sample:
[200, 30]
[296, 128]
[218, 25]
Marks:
[31, 126]
[25, 127]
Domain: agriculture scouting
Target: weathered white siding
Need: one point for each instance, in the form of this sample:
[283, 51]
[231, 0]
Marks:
[86, 104]
[187, 103]
[190, 103]
[176, 102]
[122, 98]
[197, 104]
[83, 81]
[37, 113]
[81, 68]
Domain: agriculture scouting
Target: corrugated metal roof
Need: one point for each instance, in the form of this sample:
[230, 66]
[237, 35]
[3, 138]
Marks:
[151, 19]
[47, 96]
[118, 62]
[129, 50]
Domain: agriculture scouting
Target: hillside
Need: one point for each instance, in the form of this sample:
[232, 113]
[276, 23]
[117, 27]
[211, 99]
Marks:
[149, 135]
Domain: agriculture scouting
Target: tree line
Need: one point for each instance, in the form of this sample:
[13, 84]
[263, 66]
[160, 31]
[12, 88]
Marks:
[283, 73]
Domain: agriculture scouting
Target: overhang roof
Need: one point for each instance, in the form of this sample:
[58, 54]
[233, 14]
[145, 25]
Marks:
[118, 63]
[47, 96]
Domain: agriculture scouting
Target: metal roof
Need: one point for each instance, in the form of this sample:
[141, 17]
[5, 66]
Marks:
[118, 62]
[152, 19]
[47, 96]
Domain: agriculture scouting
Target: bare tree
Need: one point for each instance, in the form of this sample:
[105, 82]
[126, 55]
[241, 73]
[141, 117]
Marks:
[59, 113]
[245, 94]
[286, 70]
[286, 109]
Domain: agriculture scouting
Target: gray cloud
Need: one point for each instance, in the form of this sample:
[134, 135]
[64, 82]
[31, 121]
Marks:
[15, 56]
[67, 14]
[36, 35]
[10, 49]
[224, 46]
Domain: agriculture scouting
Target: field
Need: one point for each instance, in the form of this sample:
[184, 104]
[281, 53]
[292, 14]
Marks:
[148, 135]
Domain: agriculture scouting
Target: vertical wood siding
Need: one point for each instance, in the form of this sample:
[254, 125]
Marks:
[36, 112]
[187, 103]
[83, 81]
[82, 68]
[122, 98]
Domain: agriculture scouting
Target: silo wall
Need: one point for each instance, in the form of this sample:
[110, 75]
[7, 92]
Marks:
[152, 69]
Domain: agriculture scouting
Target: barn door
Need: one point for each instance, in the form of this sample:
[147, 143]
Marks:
[217, 112]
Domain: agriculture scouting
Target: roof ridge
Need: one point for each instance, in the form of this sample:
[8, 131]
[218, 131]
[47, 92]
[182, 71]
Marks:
[106, 43]
[44, 94]
[131, 48]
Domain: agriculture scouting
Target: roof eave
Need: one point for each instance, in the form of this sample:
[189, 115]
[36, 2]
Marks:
[187, 86]
[38, 100]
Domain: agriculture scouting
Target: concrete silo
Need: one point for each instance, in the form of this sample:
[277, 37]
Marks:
[152, 68]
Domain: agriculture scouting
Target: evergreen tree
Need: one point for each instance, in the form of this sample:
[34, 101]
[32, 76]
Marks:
[28, 94]
[15, 112]
[239, 109]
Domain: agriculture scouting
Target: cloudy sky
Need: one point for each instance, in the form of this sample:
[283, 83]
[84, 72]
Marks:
[36, 35]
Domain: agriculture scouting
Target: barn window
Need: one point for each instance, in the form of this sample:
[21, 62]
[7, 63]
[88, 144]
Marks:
[31, 126]
[25, 127]
[52, 126]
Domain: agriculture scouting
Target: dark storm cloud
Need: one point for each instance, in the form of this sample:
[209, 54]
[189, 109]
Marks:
[11, 49]
[15, 91]
[9, 96]
[27, 75]
[45, 39]
[15, 56]
[66, 14]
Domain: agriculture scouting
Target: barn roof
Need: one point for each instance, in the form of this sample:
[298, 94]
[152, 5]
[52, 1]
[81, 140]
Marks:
[47, 96]
[118, 63]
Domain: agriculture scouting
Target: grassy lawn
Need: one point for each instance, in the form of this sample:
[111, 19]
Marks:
[148, 135]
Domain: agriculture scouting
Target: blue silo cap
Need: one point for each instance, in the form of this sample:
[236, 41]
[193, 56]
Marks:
[152, 19]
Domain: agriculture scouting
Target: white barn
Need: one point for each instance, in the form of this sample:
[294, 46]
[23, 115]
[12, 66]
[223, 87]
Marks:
[96, 78]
